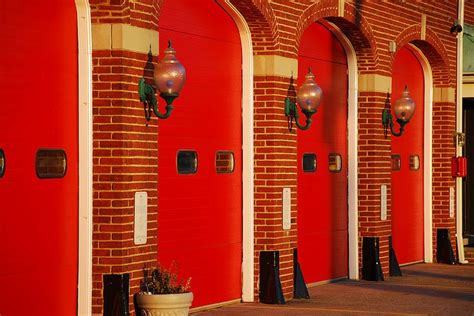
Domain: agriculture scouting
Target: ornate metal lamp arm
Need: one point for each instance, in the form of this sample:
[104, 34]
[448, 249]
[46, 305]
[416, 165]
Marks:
[388, 122]
[292, 113]
[147, 96]
[402, 128]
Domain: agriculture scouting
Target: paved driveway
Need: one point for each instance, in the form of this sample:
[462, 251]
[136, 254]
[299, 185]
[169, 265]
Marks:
[424, 289]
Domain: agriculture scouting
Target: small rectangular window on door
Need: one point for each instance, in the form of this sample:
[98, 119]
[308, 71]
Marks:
[310, 163]
[414, 162]
[186, 162]
[225, 162]
[335, 162]
[51, 163]
[396, 162]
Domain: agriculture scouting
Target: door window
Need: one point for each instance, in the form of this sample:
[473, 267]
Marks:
[310, 162]
[187, 162]
[51, 163]
[414, 162]
[335, 162]
[396, 162]
[225, 162]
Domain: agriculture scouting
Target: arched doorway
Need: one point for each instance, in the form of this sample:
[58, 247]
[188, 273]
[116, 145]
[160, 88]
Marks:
[39, 139]
[200, 153]
[322, 161]
[408, 163]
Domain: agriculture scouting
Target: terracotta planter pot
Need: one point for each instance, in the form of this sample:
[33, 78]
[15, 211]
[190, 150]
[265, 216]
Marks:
[164, 304]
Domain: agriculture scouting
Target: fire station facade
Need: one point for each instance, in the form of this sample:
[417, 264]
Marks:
[94, 189]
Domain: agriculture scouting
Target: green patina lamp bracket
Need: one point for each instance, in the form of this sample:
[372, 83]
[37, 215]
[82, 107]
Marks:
[147, 96]
[291, 111]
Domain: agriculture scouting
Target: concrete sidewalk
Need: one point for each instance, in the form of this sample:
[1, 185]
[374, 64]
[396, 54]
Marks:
[424, 289]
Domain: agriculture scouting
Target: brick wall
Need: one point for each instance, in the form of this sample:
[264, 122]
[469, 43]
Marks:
[125, 150]
[374, 170]
[275, 168]
[444, 124]
[261, 20]
[125, 155]
[141, 13]
[469, 12]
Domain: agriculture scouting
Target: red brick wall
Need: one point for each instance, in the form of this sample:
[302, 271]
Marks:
[469, 12]
[125, 151]
[443, 150]
[354, 25]
[125, 161]
[275, 168]
[261, 20]
[141, 13]
[374, 170]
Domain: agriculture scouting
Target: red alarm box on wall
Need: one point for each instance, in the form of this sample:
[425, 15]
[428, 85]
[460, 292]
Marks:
[458, 166]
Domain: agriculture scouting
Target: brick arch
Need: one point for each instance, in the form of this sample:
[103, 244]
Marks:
[261, 20]
[432, 48]
[353, 24]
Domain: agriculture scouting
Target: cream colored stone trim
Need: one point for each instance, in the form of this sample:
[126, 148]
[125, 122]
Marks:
[468, 90]
[374, 83]
[136, 39]
[273, 65]
[423, 27]
[101, 36]
[85, 143]
[124, 37]
[444, 95]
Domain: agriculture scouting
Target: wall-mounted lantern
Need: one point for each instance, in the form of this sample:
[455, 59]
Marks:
[308, 98]
[169, 77]
[404, 108]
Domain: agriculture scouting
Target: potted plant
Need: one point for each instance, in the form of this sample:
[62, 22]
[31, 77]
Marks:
[162, 294]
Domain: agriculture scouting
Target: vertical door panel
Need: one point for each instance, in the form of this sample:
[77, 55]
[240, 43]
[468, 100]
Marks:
[407, 184]
[322, 195]
[200, 215]
[38, 229]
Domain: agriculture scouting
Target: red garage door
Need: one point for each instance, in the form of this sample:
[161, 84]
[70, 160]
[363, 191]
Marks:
[39, 131]
[200, 167]
[322, 161]
[407, 163]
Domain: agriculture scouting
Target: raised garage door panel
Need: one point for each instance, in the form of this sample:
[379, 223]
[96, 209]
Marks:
[322, 195]
[200, 215]
[39, 217]
[407, 184]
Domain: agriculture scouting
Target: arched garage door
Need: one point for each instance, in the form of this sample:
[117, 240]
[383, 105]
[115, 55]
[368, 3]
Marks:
[38, 134]
[407, 163]
[199, 165]
[322, 161]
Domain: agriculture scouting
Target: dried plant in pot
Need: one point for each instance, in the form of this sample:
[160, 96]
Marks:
[162, 294]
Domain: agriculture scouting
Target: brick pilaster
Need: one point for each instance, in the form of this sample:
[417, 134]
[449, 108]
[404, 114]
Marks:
[275, 169]
[125, 149]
